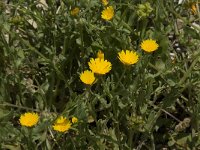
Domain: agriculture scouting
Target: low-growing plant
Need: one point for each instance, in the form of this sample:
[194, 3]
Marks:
[99, 74]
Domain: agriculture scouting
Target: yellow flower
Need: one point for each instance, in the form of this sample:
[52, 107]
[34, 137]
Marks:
[29, 119]
[128, 57]
[108, 13]
[62, 124]
[100, 54]
[75, 11]
[194, 8]
[149, 45]
[87, 77]
[74, 120]
[104, 2]
[99, 66]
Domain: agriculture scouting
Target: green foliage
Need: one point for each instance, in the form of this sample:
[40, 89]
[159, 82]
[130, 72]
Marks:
[44, 49]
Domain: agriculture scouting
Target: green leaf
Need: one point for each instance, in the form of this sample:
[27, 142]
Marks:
[192, 32]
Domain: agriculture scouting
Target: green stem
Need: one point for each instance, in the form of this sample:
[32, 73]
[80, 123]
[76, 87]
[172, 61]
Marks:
[152, 142]
[122, 75]
[130, 138]
[122, 23]
[20, 107]
[114, 108]
[189, 70]
[183, 19]
[55, 141]
[121, 18]
[30, 144]
[166, 112]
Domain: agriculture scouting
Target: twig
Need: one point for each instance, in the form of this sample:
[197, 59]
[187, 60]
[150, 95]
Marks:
[166, 112]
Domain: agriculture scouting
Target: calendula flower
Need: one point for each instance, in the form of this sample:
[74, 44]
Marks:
[74, 120]
[75, 11]
[100, 54]
[62, 124]
[99, 66]
[194, 8]
[128, 57]
[149, 45]
[108, 13]
[104, 2]
[29, 119]
[87, 77]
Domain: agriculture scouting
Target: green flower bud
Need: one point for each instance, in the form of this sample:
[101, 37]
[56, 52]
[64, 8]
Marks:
[144, 10]
[16, 20]
[136, 122]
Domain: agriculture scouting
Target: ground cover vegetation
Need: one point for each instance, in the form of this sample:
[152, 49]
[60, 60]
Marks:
[99, 74]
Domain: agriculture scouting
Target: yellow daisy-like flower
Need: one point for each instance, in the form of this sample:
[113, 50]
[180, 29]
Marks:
[62, 124]
[74, 120]
[75, 11]
[100, 54]
[194, 8]
[87, 77]
[99, 66]
[149, 45]
[29, 119]
[104, 2]
[108, 13]
[128, 57]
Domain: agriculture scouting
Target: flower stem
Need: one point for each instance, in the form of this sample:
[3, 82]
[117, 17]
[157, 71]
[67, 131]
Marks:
[123, 73]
